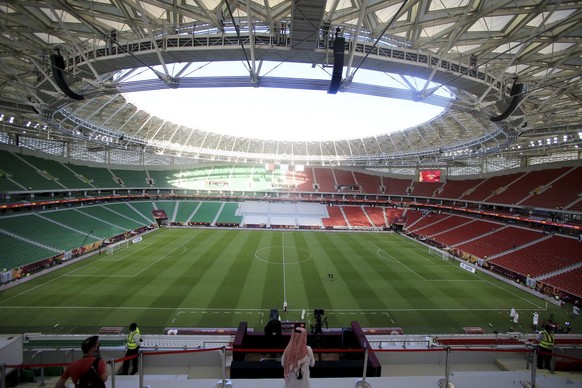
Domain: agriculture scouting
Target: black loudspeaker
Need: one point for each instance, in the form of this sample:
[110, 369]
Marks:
[516, 90]
[473, 61]
[58, 65]
[338, 65]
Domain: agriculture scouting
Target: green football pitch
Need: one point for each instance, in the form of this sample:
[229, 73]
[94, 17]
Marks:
[217, 278]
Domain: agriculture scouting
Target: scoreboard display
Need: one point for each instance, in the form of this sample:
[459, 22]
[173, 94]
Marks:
[429, 176]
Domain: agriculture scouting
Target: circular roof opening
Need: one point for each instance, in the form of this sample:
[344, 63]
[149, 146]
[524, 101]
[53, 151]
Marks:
[283, 114]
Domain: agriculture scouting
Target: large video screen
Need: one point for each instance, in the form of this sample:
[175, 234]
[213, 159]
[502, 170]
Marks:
[429, 176]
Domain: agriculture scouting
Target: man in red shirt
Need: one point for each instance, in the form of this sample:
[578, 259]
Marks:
[77, 369]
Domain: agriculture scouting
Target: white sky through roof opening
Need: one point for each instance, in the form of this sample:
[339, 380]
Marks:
[283, 114]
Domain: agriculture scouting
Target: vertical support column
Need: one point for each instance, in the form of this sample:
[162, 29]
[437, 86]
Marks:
[445, 382]
[39, 353]
[447, 367]
[42, 383]
[140, 365]
[223, 382]
[112, 372]
[534, 365]
[530, 356]
[362, 382]
[3, 376]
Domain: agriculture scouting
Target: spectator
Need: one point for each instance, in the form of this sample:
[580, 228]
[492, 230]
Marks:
[297, 359]
[77, 369]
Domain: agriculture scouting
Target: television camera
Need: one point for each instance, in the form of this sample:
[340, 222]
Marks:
[320, 320]
[273, 327]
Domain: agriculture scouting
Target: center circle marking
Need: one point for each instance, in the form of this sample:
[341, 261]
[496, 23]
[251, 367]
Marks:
[294, 256]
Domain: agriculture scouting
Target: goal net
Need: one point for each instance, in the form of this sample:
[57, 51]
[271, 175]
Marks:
[116, 247]
[439, 253]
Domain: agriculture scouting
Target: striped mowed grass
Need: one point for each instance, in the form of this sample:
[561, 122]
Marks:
[219, 277]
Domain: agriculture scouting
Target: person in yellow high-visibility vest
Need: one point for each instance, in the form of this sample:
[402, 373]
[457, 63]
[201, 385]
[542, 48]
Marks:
[546, 345]
[132, 345]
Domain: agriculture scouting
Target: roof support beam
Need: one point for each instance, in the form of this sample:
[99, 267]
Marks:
[166, 77]
[502, 72]
[253, 69]
[350, 77]
[460, 29]
[74, 41]
[306, 18]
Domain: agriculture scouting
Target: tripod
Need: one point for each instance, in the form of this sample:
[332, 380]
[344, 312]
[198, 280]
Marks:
[317, 330]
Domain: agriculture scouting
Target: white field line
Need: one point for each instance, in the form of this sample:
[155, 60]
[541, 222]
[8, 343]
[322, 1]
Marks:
[397, 261]
[537, 307]
[56, 279]
[138, 273]
[204, 310]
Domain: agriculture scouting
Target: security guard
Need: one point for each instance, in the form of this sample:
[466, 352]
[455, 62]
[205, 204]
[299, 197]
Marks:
[546, 345]
[134, 340]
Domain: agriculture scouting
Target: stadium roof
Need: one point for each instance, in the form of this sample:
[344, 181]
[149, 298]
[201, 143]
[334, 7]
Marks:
[507, 73]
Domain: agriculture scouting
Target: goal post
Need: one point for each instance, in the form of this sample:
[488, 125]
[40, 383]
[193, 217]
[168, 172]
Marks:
[439, 253]
[116, 247]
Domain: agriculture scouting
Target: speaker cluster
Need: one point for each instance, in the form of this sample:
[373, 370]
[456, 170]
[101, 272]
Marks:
[338, 65]
[515, 94]
[58, 66]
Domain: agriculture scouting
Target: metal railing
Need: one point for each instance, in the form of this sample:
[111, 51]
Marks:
[530, 350]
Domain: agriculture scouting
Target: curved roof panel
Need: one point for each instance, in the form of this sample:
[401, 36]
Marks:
[517, 64]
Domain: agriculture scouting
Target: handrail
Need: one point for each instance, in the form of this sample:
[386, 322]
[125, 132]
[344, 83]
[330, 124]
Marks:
[72, 351]
[39, 353]
[225, 382]
[362, 382]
